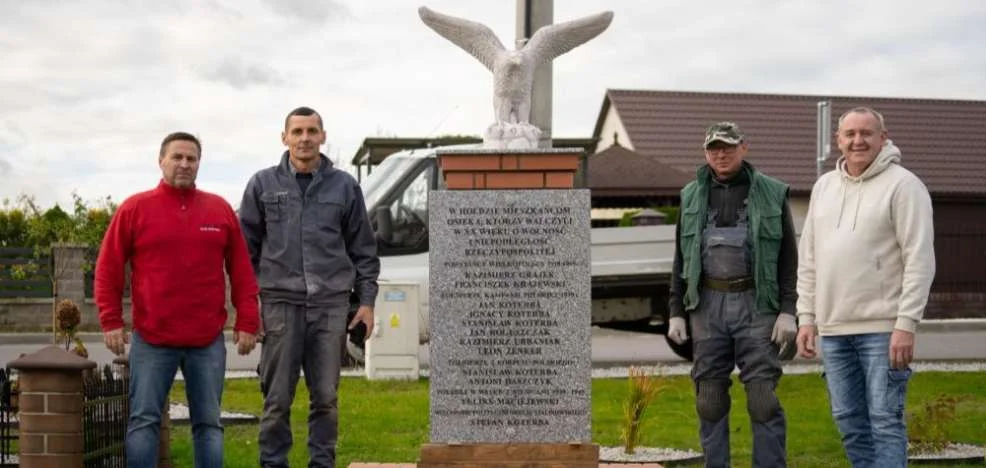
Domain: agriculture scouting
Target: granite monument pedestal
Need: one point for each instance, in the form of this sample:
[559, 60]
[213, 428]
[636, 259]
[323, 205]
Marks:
[510, 305]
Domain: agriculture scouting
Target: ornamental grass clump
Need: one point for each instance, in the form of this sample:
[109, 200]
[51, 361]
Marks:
[643, 389]
[928, 425]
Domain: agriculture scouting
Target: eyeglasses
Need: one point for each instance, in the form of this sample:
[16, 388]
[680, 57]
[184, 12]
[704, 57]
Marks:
[727, 150]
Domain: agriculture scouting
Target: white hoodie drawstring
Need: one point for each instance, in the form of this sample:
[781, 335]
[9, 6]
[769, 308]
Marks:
[888, 155]
[842, 205]
[859, 200]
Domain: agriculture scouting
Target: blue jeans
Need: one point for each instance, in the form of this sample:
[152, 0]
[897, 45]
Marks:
[867, 398]
[152, 371]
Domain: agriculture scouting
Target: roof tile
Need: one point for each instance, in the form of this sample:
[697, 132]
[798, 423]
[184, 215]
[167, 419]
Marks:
[942, 141]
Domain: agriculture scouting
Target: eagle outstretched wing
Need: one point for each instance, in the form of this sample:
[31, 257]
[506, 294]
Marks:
[556, 39]
[473, 37]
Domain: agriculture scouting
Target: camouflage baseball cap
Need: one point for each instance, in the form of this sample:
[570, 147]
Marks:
[726, 132]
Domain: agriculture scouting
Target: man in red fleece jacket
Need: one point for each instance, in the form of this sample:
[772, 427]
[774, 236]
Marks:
[180, 242]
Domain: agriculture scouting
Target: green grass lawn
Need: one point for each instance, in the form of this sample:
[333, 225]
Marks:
[388, 421]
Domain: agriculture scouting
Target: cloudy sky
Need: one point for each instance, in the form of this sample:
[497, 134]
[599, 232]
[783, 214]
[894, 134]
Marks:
[88, 88]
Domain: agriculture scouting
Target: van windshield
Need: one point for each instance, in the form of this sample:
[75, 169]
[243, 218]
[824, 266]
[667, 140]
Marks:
[384, 176]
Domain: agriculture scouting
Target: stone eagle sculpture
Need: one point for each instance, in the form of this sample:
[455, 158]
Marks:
[513, 70]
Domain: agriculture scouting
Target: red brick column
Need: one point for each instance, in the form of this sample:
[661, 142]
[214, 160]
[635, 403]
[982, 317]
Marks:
[51, 408]
[480, 169]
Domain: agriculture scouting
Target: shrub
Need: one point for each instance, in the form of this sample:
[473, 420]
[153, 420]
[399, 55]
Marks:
[928, 425]
[67, 319]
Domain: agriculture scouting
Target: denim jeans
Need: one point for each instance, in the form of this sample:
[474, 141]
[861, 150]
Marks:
[308, 339]
[867, 398]
[152, 372]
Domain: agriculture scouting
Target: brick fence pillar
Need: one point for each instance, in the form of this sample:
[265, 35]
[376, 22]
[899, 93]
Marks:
[51, 408]
[164, 438]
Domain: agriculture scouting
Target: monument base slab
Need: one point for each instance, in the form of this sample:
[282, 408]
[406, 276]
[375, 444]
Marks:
[509, 456]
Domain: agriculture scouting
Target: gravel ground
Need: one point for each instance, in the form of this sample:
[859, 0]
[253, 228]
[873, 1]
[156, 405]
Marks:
[800, 368]
[954, 452]
[647, 454]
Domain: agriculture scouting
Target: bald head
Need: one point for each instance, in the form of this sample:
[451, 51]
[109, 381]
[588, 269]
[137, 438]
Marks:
[864, 110]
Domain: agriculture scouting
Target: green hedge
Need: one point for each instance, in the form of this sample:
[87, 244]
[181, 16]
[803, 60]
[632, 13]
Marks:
[24, 224]
[671, 213]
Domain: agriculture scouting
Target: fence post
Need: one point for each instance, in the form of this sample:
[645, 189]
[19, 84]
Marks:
[67, 277]
[67, 272]
[50, 412]
[164, 442]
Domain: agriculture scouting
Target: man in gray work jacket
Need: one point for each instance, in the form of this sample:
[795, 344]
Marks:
[311, 245]
[735, 269]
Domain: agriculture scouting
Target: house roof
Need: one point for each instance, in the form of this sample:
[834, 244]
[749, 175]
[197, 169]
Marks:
[374, 150]
[617, 171]
[942, 141]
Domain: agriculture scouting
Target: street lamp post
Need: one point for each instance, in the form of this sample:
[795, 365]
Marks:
[823, 139]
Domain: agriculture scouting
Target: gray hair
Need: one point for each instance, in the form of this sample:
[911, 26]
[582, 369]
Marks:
[864, 110]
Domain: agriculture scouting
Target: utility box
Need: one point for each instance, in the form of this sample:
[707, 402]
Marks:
[392, 352]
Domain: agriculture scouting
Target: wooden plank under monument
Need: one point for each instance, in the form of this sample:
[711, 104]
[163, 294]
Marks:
[509, 456]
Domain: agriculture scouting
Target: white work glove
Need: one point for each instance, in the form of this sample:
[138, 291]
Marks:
[785, 331]
[677, 331]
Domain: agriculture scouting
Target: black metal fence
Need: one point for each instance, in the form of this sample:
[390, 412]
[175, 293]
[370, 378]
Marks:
[8, 422]
[104, 424]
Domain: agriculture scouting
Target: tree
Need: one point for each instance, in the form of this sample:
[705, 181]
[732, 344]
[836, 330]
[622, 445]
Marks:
[44, 229]
[13, 226]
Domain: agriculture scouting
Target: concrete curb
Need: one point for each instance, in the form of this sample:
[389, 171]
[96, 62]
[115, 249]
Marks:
[952, 325]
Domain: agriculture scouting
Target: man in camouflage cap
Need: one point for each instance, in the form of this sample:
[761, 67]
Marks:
[734, 287]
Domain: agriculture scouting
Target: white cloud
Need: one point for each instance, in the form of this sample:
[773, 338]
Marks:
[309, 11]
[239, 74]
[89, 88]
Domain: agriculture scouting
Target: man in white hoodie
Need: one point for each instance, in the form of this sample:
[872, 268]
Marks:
[866, 263]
